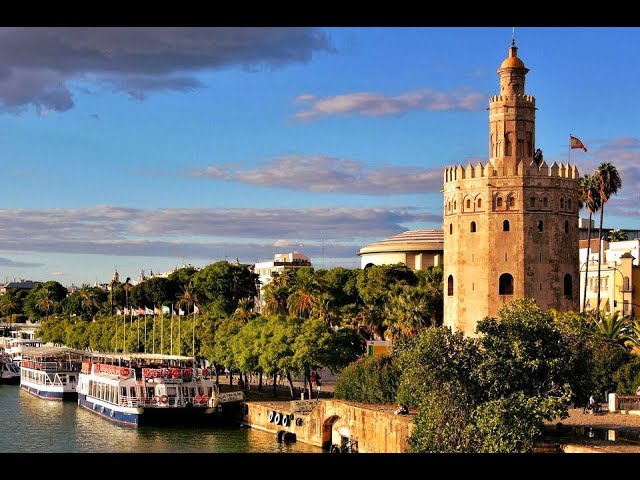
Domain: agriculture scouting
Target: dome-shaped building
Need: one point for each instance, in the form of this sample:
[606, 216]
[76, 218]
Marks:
[417, 249]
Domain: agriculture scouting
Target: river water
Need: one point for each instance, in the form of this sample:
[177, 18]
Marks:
[31, 425]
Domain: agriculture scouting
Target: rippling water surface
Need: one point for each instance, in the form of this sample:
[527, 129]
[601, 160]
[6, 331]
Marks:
[31, 425]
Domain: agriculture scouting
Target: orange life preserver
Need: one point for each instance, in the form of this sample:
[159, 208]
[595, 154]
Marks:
[125, 372]
[197, 398]
[155, 399]
[205, 373]
[164, 399]
[204, 398]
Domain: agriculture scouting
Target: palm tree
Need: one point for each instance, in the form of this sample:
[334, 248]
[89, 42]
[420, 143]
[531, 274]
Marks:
[407, 311]
[588, 198]
[88, 299]
[45, 302]
[616, 235]
[275, 294]
[244, 311]
[9, 304]
[612, 328]
[608, 182]
[305, 289]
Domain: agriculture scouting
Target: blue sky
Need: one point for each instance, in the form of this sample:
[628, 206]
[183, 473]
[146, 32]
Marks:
[151, 148]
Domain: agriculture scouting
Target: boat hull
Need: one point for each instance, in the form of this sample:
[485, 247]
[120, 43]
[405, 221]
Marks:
[40, 392]
[157, 416]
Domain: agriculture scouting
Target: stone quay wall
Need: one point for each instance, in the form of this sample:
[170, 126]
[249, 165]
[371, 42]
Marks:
[326, 423]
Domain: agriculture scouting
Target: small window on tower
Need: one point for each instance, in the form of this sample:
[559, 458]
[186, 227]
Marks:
[479, 202]
[450, 285]
[450, 228]
[505, 226]
[499, 202]
[512, 202]
[540, 226]
[468, 203]
[532, 202]
[568, 285]
[569, 204]
[545, 202]
[506, 284]
[473, 227]
[566, 226]
[562, 204]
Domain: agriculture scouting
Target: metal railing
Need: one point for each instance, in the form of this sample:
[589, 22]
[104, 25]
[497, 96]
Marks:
[628, 402]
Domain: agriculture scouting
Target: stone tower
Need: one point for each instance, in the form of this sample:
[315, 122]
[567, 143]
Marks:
[510, 225]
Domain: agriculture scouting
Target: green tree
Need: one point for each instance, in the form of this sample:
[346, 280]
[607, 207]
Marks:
[276, 292]
[374, 284]
[10, 304]
[608, 182]
[45, 300]
[407, 311]
[617, 235]
[89, 298]
[304, 294]
[222, 285]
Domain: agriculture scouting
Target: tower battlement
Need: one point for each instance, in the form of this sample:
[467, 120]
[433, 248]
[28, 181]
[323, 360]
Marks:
[505, 98]
[460, 172]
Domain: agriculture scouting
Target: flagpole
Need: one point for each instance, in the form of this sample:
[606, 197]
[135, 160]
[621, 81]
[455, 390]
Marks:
[569, 161]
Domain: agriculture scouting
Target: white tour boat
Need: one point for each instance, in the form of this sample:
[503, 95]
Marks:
[143, 389]
[51, 372]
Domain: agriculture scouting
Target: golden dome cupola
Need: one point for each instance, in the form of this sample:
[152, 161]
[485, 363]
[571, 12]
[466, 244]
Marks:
[512, 72]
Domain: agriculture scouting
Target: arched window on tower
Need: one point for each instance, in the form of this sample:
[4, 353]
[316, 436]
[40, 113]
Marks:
[455, 205]
[562, 204]
[450, 286]
[512, 202]
[505, 226]
[468, 204]
[499, 202]
[569, 204]
[568, 285]
[479, 202]
[506, 284]
[540, 226]
[507, 144]
[473, 227]
[566, 226]
[545, 202]
[532, 202]
[450, 228]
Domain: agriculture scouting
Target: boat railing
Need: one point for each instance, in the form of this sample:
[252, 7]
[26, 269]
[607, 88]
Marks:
[163, 401]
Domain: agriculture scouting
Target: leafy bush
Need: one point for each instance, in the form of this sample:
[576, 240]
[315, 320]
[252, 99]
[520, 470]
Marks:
[627, 377]
[370, 379]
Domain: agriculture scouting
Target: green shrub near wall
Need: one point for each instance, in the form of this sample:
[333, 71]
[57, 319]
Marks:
[370, 379]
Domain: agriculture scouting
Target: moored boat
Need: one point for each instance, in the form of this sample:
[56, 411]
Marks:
[148, 389]
[9, 371]
[51, 372]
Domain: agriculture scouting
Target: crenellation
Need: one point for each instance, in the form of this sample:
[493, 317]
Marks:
[470, 172]
[554, 170]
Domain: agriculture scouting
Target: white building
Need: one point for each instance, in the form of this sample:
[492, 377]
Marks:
[280, 263]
